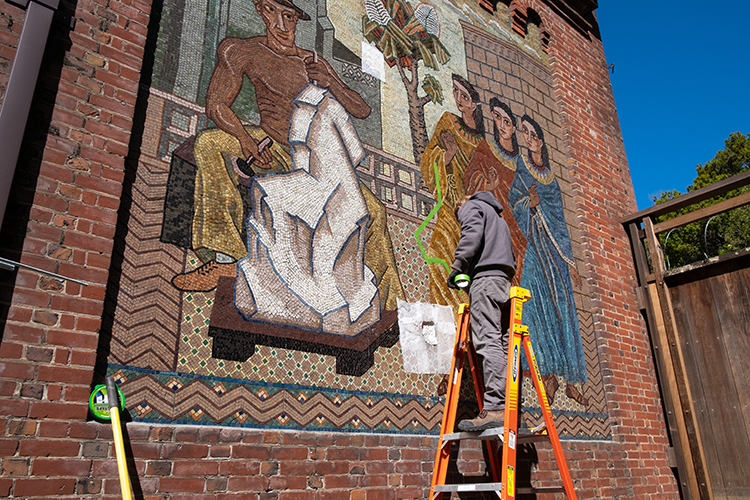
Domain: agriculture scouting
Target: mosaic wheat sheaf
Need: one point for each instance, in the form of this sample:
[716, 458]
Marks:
[299, 168]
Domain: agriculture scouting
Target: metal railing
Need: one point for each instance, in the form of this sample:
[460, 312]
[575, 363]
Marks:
[643, 228]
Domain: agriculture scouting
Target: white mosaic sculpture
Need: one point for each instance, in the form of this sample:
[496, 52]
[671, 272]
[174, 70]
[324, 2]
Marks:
[306, 232]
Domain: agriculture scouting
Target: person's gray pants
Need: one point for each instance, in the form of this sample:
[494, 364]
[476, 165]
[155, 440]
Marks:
[490, 314]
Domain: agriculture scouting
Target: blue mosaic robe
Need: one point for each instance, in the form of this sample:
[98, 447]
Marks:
[551, 313]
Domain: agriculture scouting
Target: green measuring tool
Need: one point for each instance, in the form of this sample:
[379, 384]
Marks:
[99, 403]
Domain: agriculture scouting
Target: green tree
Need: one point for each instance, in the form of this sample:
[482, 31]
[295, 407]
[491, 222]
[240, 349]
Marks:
[727, 232]
[406, 36]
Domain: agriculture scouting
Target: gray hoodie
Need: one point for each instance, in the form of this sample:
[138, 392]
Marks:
[485, 246]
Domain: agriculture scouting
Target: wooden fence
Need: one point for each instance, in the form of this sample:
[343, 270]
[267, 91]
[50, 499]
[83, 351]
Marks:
[698, 318]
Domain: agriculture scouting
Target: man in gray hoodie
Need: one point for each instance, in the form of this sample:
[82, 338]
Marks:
[485, 253]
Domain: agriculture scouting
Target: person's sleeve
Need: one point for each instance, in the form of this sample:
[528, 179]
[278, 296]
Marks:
[472, 228]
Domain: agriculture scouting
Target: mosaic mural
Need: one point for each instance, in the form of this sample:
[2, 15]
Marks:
[298, 172]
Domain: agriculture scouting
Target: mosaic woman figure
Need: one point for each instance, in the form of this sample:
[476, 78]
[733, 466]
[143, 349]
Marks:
[451, 148]
[493, 168]
[551, 315]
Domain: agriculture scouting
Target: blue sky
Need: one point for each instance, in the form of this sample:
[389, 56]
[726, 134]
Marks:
[681, 83]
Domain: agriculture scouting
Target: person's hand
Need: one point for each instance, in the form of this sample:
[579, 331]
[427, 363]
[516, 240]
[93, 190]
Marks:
[451, 148]
[452, 277]
[317, 72]
[533, 196]
[262, 158]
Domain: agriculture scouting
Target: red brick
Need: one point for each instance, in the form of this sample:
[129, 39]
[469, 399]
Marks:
[22, 371]
[53, 428]
[334, 454]
[296, 495]
[43, 487]
[53, 394]
[117, 148]
[83, 430]
[344, 481]
[146, 450]
[59, 467]
[281, 483]
[48, 448]
[7, 388]
[251, 452]
[291, 453]
[248, 483]
[73, 339]
[184, 451]
[181, 484]
[43, 409]
[77, 393]
[88, 325]
[30, 298]
[84, 358]
[297, 468]
[9, 350]
[190, 468]
[105, 467]
[112, 104]
[23, 333]
[61, 356]
[239, 468]
[8, 447]
[65, 374]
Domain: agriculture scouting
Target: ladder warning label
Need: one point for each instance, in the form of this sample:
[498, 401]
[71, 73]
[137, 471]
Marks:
[511, 477]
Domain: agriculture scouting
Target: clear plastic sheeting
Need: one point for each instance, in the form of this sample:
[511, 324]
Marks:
[427, 335]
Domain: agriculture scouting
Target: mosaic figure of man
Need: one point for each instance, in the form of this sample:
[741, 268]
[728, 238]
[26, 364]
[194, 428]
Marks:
[279, 70]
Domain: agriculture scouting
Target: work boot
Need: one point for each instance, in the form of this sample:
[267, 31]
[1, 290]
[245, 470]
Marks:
[205, 278]
[485, 420]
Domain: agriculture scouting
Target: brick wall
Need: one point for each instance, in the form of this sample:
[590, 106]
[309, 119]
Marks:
[636, 465]
[209, 462]
[62, 218]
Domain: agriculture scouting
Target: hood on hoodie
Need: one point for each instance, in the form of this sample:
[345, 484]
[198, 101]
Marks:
[488, 198]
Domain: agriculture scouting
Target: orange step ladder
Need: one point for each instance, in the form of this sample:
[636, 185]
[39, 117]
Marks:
[504, 478]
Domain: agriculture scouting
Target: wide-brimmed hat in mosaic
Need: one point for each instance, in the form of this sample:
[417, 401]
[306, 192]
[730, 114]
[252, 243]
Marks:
[288, 3]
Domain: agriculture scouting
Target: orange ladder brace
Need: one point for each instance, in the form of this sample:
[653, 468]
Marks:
[504, 478]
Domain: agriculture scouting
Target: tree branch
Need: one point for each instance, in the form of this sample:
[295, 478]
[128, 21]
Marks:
[404, 78]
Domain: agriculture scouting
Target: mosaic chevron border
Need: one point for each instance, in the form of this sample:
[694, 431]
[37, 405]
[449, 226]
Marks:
[169, 397]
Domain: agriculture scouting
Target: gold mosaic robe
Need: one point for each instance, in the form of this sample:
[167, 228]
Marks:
[451, 178]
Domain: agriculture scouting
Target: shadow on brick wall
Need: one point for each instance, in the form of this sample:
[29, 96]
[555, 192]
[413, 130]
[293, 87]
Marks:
[38, 128]
[126, 200]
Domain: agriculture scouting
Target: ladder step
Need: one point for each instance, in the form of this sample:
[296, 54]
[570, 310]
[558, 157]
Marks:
[468, 487]
[496, 434]
[497, 487]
